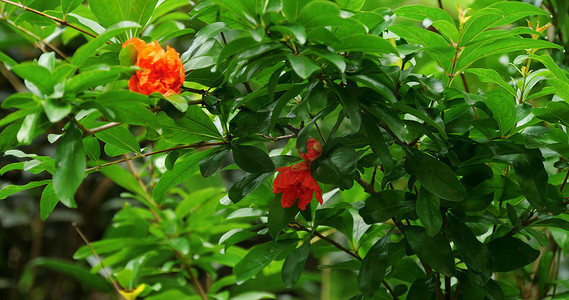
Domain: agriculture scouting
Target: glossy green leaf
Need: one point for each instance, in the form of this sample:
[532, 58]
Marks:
[474, 253]
[246, 185]
[119, 137]
[12, 189]
[378, 144]
[303, 66]
[210, 164]
[90, 48]
[194, 127]
[434, 251]
[279, 217]
[48, 201]
[69, 165]
[478, 51]
[421, 12]
[292, 8]
[532, 179]
[502, 106]
[123, 178]
[68, 6]
[252, 159]
[56, 109]
[36, 74]
[365, 42]
[434, 175]
[385, 205]
[73, 270]
[184, 168]
[374, 267]
[427, 209]
[375, 85]
[337, 167]
[294, 265]
[490, 75]
[257, 258]
[510, 253]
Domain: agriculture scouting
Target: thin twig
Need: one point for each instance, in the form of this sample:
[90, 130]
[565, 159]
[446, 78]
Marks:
[86, 241]
[134, 173]
[55, 19]
[298, 226]
[564, 181]
[101, 128]
[195, 281]
[197, 145]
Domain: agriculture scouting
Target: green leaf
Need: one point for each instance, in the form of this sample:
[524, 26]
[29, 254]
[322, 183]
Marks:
[337, 167]
[279, 217]
[422, 12]
[434, 175]
[56, 109]
[69, 165]
[374, 267]
[257, 258]
[507, 45]
[246, 185]
[489, 75]
[123, 178]
[252, 159]
[94, 78]
[89, 49]
[434, 251]
[7, 60]
[194, 127]
[292, 8]
[184, 168]
[503, 108]
[26, 132]
[119, 137]
[354, 5]
[209, 165]
[303, 66]
[39, 76]
[474, 253]
[68, 6]
[294, 265]
[375, 85]
[48, 201]
[427, 208]
[12, 189]
[73, 270]
[532, 178]
[510, 253]
[377, 142]
[365, 43]
[297, 30]
[423, 116]
[385, 205]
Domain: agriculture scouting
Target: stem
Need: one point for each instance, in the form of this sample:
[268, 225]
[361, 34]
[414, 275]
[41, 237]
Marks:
[134, 173]
[198, 145]
[88, 132]
[297, 226]
[564, 181]
[448, 288]
[55, 19]
[195, 281]
[320, 132]
[86, 241]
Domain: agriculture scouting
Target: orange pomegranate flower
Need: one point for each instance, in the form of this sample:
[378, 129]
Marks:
[162, 71]
[314, 150]
[295, 182]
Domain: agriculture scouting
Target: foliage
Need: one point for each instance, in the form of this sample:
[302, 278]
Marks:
[443, 170]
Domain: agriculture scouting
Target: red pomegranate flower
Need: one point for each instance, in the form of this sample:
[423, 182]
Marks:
[295, 182]
[314, 150]
[162, 71]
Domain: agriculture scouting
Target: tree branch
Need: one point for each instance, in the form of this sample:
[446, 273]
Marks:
[55, 19]
[197, 145]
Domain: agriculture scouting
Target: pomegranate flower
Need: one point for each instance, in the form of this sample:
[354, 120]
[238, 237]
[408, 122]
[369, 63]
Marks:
[295, 182]
[314, 150]
[161, 71]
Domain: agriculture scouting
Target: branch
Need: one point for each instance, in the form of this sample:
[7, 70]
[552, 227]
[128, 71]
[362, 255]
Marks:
[86, 241]
[297, 226]
[55, 19]
[195, 281]
[197, 145]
